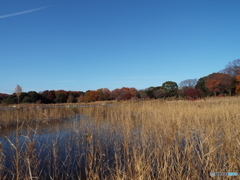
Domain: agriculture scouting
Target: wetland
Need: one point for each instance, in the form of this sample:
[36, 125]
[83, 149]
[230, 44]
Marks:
[129, 140]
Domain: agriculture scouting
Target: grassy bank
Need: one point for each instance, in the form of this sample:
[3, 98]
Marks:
[139, 140]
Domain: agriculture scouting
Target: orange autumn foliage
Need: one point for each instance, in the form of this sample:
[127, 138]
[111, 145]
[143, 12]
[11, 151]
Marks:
[238, 85]
[90, 96]
[238, 78]
[219, 82]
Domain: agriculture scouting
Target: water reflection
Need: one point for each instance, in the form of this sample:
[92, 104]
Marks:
[65, 146]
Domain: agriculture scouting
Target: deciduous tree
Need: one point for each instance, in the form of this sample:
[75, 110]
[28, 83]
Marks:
[142, 94]
[90, 96]
[191, 93]
[106, 94]
[124, 94]
[115, 93]
[219, 82]
[74, 95]
[81, 98]
[71, 98]
[232, 68]
[103, 94]
[133, 92]
[238, 84]
[18, 91]
[189, 83]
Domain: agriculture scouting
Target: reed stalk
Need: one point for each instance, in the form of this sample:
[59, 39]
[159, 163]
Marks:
[135, 140]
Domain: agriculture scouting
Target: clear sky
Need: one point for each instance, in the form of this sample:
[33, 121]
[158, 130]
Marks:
[85, 45]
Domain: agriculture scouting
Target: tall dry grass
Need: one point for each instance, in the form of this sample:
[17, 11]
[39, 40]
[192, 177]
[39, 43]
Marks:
[140, 140]
[175, 139]
[31, 113]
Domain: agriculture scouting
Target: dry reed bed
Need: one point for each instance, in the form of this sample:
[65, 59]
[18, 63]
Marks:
[31, 113]
[141, 140]
[176, 139]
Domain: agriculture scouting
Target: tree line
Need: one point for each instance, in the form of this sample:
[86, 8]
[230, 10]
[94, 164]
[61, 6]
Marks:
[224, 82]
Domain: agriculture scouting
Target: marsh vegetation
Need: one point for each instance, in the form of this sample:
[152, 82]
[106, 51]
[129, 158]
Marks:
[129, 140]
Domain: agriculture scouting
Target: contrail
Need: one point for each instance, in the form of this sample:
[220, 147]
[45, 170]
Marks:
[23, 12]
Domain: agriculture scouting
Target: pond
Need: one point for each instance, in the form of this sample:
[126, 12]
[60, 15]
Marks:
[61, 150]
[88, 147]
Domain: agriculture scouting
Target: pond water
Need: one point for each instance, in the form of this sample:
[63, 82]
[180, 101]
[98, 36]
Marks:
[59, 148]
[74, 147]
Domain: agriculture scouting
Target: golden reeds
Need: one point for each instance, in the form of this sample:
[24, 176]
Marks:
[10, 116]
[141, 140]
[183, 139]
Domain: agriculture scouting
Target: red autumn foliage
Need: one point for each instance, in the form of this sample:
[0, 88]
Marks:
[133, 92]
[106, 94]
[191, 93]
[115, 94]
[124, 93]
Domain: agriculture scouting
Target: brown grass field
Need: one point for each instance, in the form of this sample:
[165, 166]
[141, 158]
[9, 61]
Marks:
[135, 140]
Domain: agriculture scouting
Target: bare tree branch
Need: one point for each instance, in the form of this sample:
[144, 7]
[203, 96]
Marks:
[189, 83]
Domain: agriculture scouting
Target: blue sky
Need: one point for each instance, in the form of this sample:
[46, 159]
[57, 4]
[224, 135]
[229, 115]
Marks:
[85, 45]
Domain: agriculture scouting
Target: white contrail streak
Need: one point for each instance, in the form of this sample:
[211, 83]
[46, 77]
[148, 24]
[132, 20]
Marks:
[23, 12]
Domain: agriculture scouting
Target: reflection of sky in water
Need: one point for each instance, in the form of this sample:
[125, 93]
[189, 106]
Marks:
[71, 138]
[68, 135]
